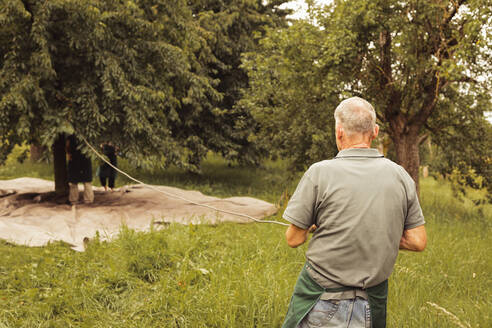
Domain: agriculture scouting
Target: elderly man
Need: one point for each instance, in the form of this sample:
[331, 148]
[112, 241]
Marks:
[362, 209]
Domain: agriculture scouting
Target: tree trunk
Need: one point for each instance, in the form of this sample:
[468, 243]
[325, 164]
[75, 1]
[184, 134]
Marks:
[60, 166]
[407, 153]
[36, 151]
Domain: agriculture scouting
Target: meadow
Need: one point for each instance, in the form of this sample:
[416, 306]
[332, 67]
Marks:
[235, 275]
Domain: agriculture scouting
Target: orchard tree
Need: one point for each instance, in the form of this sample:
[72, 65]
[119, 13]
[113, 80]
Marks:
[415, 61]
[134, 72]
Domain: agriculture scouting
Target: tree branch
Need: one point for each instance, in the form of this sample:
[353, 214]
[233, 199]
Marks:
[380, 117]
[453, 11]
[467, 79]
[392, 108]
[435, 132]
[423, 138]
[385, 55]
[432, 94]
[433, 89]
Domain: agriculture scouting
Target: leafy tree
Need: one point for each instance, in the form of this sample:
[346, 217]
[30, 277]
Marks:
[135, 72]
[464, 149]
[416, 61]
[234, 27]
[288, 95]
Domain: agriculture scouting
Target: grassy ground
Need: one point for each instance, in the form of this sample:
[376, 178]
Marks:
[233, 275]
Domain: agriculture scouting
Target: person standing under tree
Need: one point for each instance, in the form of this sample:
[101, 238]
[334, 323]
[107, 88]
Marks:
[107, 174]
[79, 170]
[361, 209]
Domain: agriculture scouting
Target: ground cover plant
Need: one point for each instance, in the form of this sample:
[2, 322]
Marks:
[235, 275]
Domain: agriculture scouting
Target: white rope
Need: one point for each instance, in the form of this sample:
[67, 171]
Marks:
[175, 196]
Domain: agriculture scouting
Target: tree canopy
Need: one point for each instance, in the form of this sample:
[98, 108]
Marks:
[144, 74]
[290, 96]
[119, 70]
[420, 63]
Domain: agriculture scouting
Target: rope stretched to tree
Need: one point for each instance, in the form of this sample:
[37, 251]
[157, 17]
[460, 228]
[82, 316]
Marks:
[172, 195]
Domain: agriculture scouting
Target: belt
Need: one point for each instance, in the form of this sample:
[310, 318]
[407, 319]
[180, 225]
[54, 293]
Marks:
[345, 295]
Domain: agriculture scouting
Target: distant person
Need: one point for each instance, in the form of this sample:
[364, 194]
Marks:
[107, 174]
[361, 208]
[79, 171]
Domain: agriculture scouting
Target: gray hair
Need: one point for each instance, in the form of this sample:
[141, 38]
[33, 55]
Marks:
[356, 115]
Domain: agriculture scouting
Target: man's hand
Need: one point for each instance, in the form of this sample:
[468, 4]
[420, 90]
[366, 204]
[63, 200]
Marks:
[296, 236]
[414, 239]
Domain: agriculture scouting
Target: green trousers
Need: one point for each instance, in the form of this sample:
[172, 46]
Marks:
[307, 293]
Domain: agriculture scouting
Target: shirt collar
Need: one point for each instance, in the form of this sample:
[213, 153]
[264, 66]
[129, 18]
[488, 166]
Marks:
[359, 152]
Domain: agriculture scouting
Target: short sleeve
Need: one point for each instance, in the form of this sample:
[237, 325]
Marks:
[414, 217]
[300, 210]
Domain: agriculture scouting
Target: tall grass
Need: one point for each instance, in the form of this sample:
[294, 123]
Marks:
[18, 165]
[238, 275]
[453, 272]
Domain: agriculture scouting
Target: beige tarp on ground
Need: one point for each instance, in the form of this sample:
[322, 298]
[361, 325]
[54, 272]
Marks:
[27, 217]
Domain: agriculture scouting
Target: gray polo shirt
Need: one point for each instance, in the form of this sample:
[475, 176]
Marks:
[361, 202]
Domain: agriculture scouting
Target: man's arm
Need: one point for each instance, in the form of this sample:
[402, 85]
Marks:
[296, 236]
[414, 239]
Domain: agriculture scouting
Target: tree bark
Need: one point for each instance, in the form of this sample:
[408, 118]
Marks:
[407, 153]
[60, 166]
[36, 152]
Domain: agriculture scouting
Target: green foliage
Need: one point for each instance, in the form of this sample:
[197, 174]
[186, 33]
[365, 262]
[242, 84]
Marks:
[147, 75]
[232, 28]
[464, 152]
[115, 70]
[12, 168]
[422, 64]
[291, 97]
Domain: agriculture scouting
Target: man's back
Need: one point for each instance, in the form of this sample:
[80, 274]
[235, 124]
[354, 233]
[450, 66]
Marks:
[361, 203]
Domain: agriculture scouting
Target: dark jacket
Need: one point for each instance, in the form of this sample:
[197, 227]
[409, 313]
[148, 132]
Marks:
[106, 171]
[79, 166]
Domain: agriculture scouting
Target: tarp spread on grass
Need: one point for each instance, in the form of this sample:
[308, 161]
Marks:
[29, 216]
